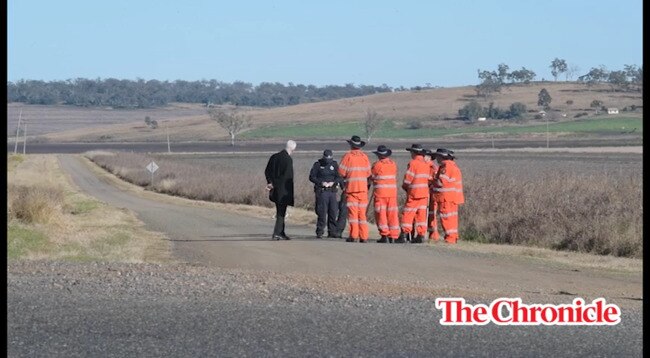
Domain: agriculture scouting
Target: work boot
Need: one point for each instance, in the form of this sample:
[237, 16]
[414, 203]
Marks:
[401, 239]
[363, 241]
[390, 240]
[383, 240]
[418, 239]
[349, 239]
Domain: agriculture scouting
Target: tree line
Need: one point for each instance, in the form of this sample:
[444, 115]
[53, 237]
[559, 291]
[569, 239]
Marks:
[153, 93]
[630, 78]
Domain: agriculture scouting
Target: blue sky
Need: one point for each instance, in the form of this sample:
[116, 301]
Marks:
[316, 42]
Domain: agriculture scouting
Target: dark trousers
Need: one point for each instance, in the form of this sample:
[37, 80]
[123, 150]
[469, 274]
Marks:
[327, 209]
[343, 215]
[280, 213]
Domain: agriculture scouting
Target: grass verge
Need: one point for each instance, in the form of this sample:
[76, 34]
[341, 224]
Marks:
[49, 218]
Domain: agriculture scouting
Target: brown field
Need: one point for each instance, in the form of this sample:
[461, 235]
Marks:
[189, 122]
[565, 201]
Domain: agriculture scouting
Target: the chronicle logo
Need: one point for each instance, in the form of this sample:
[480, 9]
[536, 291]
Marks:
[511, 311]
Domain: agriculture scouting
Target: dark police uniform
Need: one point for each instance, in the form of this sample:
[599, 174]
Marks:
[327, 206]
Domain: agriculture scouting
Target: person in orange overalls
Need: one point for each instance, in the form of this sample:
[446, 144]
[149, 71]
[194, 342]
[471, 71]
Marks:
[416, 185]
[384, 180]
[355, 170]
[448, 193]
[430, 158]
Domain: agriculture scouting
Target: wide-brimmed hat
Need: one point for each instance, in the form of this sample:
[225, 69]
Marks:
[444, 153]
[416, 148]
[383, 151]
[356, 141]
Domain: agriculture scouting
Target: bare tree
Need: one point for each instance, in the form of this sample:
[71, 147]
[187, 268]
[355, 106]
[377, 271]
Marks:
[372, 123]
[572, 71]
[234, 123]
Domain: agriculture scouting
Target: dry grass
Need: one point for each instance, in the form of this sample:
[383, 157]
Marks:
[581, 203]
[193, 123]
[49, 218]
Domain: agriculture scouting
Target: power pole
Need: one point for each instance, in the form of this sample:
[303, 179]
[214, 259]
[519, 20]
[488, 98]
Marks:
[25, 137]
[20, 116]
[546, 132]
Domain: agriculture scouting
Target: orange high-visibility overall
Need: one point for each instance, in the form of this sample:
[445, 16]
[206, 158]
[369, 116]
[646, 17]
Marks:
[416, 183]
[384, 178]
[448, 193]
[355, 169]
[433, 206]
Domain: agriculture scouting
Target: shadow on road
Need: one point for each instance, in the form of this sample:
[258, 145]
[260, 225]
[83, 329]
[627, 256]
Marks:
[247, 237]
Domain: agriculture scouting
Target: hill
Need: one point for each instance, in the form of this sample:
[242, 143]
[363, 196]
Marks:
[191, 122]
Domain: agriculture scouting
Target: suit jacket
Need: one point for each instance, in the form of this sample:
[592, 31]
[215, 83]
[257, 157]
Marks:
[279, 172]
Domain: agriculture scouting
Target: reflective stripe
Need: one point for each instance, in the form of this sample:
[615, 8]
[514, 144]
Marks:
[445, 176]
[342, 166]
[380, 208]
[410, 209]
[406, 225]
[393, 208]
[386, 186]
[394, 227]
[444, 190]
[410, 173]
[356, 179]
[421, 224]
[423, 207]
[354, 221]
[423, 176]
[385, 227]
[452, 231]
[360, 205]
[357, 169]
[419, 186]
[407, 182]
[382, 177]
[452, 213]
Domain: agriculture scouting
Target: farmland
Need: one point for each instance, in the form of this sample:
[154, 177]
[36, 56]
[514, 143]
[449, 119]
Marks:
[190, 122]
[566, 201]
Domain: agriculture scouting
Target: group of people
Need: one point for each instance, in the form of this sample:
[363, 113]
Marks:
[432, 182]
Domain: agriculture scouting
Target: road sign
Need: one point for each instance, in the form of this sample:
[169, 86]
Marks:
[152, 167]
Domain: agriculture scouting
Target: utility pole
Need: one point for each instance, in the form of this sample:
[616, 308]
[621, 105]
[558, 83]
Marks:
[20, 116]
[25, 137]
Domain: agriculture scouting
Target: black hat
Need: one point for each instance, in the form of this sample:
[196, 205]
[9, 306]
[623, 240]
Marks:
[327, 153]
[416, 148]
[383, 151]
[429, 152]
[445, 153]
[356, 141]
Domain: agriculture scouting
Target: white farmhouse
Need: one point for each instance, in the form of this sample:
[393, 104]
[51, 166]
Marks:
[612, 110]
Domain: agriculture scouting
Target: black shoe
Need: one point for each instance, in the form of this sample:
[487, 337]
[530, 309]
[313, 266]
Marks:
[319, 236]
[418, 240]
[285, 237]
[363, 241]
[401, 239]
[390, 241]
[349, 239]
[332, 236]
[383, 240]
[276, 237]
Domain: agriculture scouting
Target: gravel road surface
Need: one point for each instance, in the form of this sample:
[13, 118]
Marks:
[235, 292]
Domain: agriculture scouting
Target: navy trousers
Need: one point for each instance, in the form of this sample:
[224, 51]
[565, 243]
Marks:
[327, 209]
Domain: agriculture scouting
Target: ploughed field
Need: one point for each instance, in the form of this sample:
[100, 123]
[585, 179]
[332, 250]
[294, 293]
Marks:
[566, 201]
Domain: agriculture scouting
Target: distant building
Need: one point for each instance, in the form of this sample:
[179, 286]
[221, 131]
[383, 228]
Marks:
[542, 113]
[480, 119]
[612, 110]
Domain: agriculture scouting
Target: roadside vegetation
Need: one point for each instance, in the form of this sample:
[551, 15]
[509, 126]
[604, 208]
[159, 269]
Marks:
[48, 218]
[573, 204]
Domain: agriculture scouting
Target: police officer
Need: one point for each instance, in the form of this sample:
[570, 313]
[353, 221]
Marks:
[325, 176]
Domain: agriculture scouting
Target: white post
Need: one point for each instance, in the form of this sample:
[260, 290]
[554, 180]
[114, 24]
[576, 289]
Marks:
[169, 150]
[546, 132]
[151, 180]
[20, 116]
[25, 137]
[492, 140]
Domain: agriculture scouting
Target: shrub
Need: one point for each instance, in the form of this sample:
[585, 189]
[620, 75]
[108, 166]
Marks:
[34, 204]
[414, 124]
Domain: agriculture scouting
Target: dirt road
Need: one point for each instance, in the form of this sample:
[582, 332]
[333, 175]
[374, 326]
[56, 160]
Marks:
[229, 240]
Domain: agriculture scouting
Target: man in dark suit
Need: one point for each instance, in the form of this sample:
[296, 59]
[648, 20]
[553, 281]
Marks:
[279, 179]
